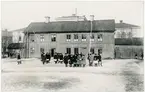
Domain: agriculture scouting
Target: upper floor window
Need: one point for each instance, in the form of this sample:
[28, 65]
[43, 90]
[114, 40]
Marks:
[53, 38]
[100, 37]
[76, 50]
[84, 37]
[92, 37]
[68, 37]
[41, 38]
[76, 37]
[32, 38]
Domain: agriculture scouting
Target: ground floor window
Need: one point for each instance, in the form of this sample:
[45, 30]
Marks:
[68, 50]
[42, 50]
[32, 50]
[76, 50]
[92, 50]
[100, 51]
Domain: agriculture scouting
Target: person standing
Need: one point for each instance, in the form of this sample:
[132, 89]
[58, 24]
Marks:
[61, 58]
[71, 59]
[66, 59]
[47, 57]
[95, 59]
[83, 60]
[91, 59]
[79, 59]
[43, 58]
[19, 59]
[99, 60]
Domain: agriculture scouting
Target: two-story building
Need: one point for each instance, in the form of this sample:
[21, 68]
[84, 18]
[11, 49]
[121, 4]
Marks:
[126, 30]
[70, 37]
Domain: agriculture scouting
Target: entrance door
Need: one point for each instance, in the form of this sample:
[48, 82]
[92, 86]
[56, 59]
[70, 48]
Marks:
[52, 52]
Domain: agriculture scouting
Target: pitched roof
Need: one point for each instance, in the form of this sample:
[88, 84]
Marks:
[71, 26]
[19, 30]
[125, 25]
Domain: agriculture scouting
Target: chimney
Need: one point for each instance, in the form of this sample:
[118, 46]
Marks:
[121, 21]
[92, 17]
[47, 19]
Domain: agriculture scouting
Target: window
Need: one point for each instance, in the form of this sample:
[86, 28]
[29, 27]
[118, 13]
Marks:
[92, 50]
[100, 51]
[100, 37]
[84, 37]
[32, 50]
[75, 37]
[68, 37]
[53, 38]
[32, 38]
[20, 38]
[68, 50]
[92, 37]
[76, 50]
[41, 38]
[42, 50]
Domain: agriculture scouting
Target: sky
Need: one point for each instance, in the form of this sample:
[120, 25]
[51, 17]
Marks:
[17, 14]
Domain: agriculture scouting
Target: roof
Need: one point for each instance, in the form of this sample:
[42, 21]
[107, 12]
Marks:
[129, 41]
[16, 46]
[19, 30]
[125, 25]
[71, 26]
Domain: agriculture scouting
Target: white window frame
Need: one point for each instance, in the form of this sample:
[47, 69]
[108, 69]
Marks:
[77, 38]
[68, 40]
[99, 38]
[53, 36]
[42, 36]
[85, 37]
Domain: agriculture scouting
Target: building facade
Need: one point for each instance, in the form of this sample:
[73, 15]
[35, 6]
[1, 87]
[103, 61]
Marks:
[6, 40]
[70, 37]
[125, 30]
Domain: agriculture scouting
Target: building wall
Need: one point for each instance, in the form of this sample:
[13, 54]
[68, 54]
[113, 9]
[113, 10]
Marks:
[119, 31]
[107, 44]
[16, 35]
[127, 51]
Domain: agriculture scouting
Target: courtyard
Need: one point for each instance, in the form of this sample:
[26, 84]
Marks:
[124, 75]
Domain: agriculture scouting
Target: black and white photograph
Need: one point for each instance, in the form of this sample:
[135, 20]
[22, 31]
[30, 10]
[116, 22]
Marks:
[72, 46]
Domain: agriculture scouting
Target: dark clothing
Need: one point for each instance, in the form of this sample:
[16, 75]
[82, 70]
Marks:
[18, 57]
[95, 57]
[71, 60]
[48, 56]
[66, 59]
[61, 57]
[99, 58]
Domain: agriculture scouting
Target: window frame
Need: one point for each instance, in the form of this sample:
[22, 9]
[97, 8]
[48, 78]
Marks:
[76, 37]
[99, 39]
[84, 37]
[68, 50]
[68, 37]
[53, 38]
[42, 37]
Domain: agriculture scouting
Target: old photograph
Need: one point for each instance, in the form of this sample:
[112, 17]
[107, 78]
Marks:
[72, 46]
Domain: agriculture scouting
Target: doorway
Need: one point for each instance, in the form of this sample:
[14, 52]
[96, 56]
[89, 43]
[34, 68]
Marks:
[52, 52]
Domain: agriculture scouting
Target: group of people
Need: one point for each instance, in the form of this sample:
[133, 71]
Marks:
[73, 60]
[45, 58]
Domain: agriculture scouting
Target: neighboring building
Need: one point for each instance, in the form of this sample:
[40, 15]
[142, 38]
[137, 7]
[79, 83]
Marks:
[18, 35]
[17, 42]
[128, 47]
[6, 40]
[125, 30]
[70, 37]
[74, 17]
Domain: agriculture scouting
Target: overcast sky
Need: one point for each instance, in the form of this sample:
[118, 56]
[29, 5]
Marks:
[17, 15]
